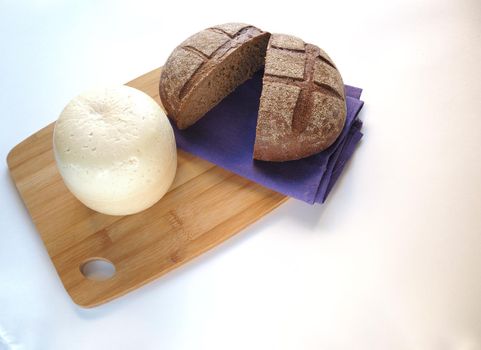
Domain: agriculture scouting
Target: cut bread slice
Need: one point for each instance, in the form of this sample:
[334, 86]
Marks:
[207, 67]
[303, 106]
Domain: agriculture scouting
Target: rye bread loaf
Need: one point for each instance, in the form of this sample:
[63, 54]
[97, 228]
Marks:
[303, 106]
[208, 66]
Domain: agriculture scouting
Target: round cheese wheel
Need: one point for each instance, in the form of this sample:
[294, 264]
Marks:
[115, 150]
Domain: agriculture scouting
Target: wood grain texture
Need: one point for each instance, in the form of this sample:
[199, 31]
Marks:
[205, 206]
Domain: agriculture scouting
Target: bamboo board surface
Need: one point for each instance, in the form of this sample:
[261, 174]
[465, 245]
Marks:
[204, 206]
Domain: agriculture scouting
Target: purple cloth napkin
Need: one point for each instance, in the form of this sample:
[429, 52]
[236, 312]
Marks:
[225, 136]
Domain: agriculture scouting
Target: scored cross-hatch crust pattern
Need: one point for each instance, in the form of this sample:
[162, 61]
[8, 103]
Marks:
[302, 107]
[316, 67]
[223, 39]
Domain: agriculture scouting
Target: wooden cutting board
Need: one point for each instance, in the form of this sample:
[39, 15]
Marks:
[204, 206]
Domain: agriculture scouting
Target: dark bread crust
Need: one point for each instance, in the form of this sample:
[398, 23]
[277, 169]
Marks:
[303, 106]
[208, 66]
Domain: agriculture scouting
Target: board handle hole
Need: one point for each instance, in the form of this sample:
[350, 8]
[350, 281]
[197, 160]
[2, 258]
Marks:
[97, 269]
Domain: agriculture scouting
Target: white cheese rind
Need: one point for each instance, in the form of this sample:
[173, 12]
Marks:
[115, 150]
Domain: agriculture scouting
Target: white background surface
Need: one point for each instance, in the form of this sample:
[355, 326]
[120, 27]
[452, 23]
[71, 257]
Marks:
[391, 261]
